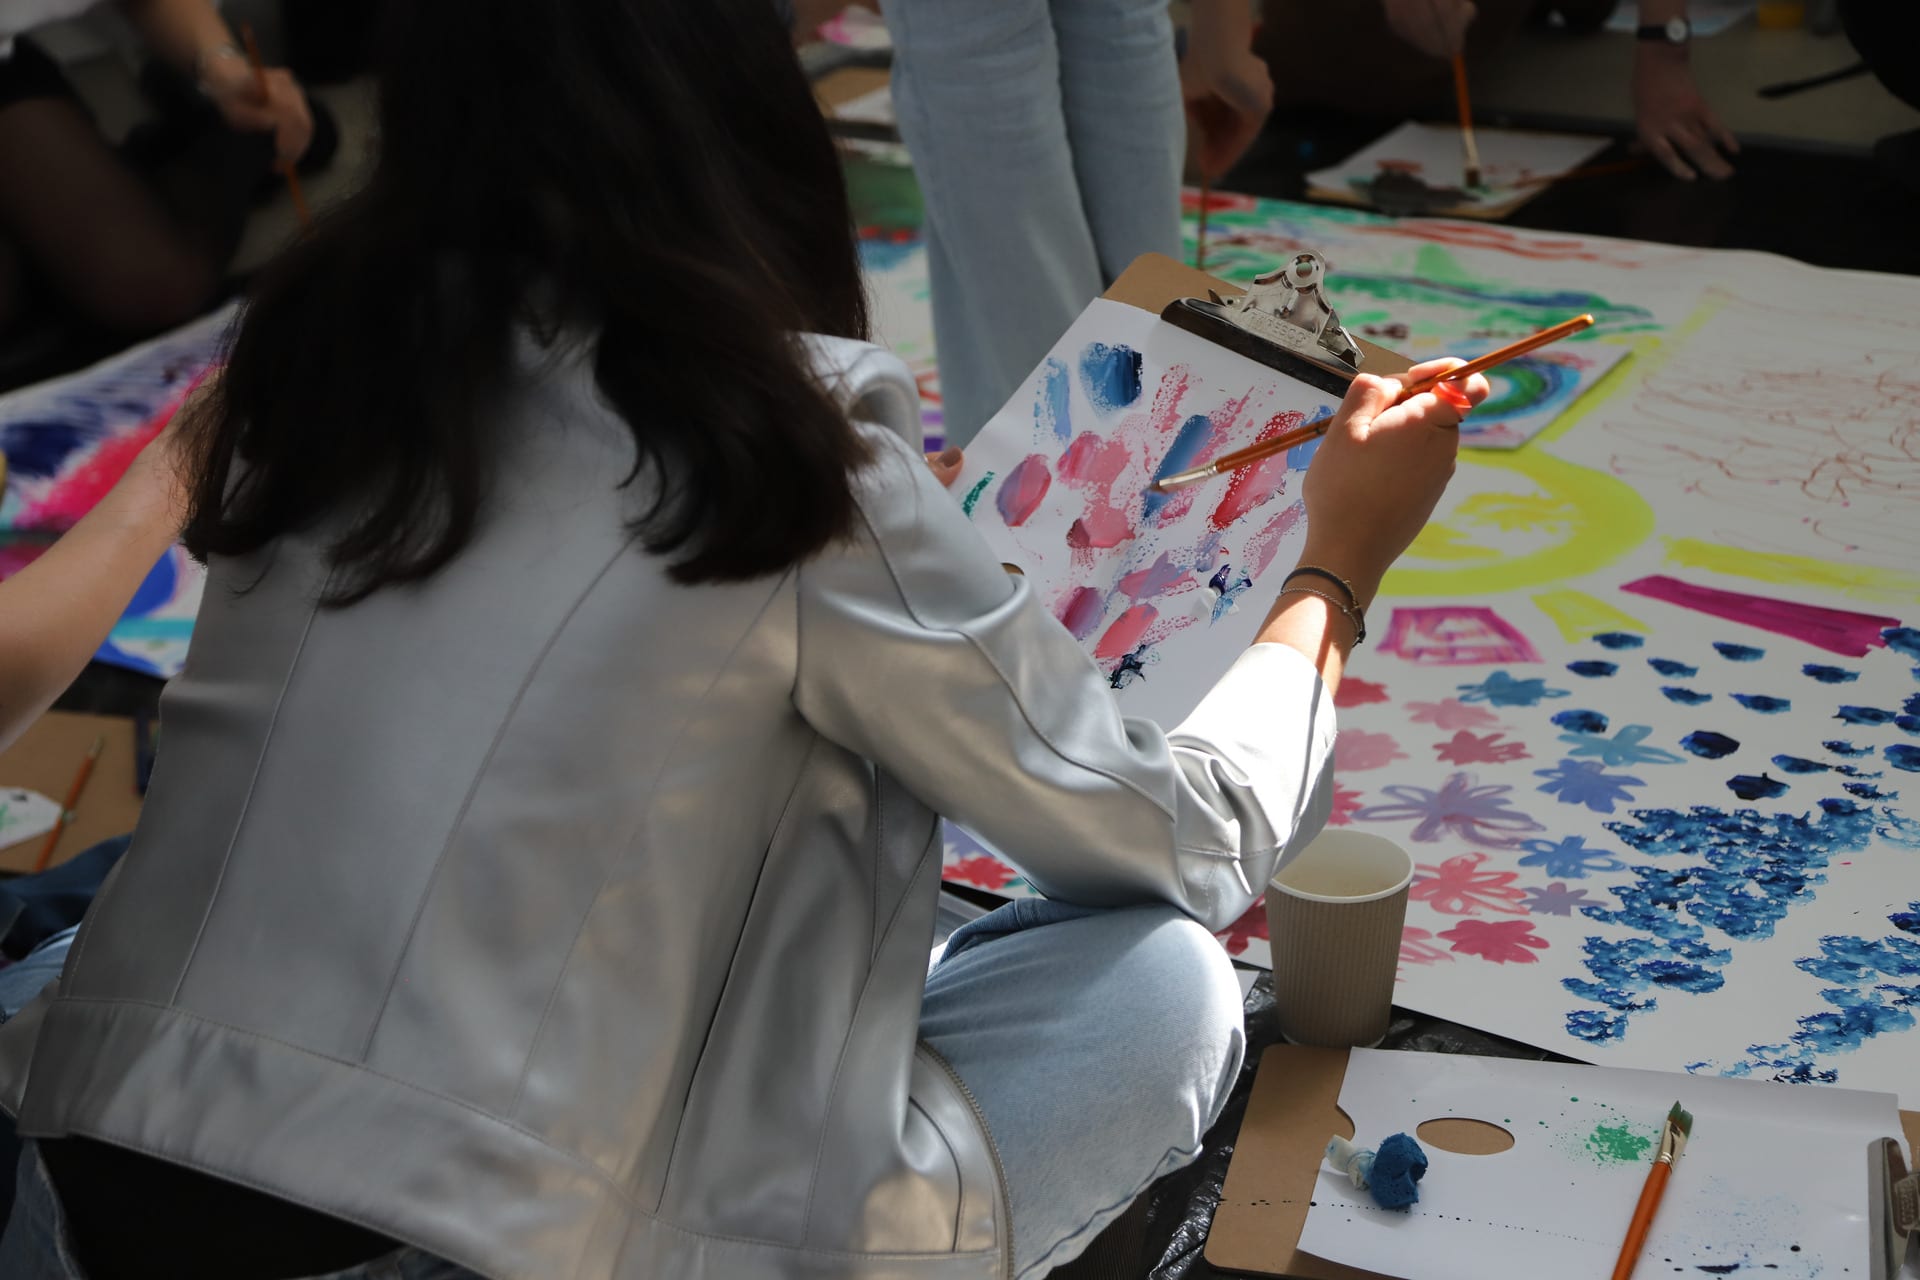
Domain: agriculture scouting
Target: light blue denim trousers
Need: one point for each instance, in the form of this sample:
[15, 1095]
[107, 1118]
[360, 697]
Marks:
[1100, 1044]
[1048, 139]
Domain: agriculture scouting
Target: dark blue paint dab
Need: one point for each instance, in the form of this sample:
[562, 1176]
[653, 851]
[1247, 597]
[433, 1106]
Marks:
[1739, 652]
[1794, 764]
[1111, 375]
[1581, 721]
[1903, 757]
[1867, 791]
[1829, 675]
[1673, 670]
[1910, 723]
[1912, 705]
[1907, 921]
[1847, 749]
[1624, 640]
[1709, 745]
[1903, 640]
[1764, 703]
[1864, 715]
[1685, 697]
[1592, 668]
[1749, 787]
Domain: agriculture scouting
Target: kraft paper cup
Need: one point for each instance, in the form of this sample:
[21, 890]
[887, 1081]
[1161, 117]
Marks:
[1334, 916]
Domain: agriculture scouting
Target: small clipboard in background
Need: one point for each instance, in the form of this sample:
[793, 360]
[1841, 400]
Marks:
[1294, 1108]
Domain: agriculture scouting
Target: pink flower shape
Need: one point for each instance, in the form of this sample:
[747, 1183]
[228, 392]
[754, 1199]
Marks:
[981, 871]
[1501, 941]
[1357, 693]
[1451, 714]
[1244, 930]
[1346, 803]
[1467, 747]
[1356, 749]
[1416, 947]
[1457, 887]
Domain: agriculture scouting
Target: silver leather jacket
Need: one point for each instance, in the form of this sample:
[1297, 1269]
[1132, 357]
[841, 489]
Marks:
[569, 922]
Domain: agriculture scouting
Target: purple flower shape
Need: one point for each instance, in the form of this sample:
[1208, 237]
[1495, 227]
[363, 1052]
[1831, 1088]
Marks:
[1554, 900]
[1475, 814]
[1568, 859]
[1587, 782]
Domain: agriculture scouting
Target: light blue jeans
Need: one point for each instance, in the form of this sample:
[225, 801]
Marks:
[1048, 138]
[1100, 1044]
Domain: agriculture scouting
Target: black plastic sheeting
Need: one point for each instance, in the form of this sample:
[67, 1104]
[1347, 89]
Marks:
[1180, 1206]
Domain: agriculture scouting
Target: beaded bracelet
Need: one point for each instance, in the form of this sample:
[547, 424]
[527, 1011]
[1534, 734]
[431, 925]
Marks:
[1354, 616]
[1353, 597]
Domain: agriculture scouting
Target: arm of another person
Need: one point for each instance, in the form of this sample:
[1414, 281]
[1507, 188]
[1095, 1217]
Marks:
[1670, 114]
[1226, 86]
[56, 612]
[193, 36]
[919, 653]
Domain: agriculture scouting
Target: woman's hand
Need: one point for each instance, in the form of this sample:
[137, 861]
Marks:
[229, 80]
[946, 466]
[1225, 85]
[1380, 470]
[1673, 120]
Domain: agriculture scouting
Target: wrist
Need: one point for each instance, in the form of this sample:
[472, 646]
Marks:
[1357, 571]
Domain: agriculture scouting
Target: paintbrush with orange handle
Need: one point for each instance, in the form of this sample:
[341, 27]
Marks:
[73, 799]
[1673, 1141]
[1279, 444]
[1467, 143]
[260, 87]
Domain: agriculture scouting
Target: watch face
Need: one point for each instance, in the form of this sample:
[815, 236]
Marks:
[1677, 30]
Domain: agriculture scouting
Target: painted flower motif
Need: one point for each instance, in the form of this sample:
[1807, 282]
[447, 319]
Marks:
[1457, 887]
[1568, 859]
[1624, 747]
[1356, 749]
[1251, 926]
[1587, 782]
[1473, 814]
[1555, 899]
[1450, 714]
[1467, 747]
[1502, 690]
[1346, 803]
[1357, 693]
[981, 872]
[1501, 941]
[1417, 947]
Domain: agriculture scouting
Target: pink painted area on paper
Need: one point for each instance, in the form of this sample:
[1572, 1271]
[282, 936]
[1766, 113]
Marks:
[1455, 635]
[1451, 714]
[1082, 610]
[1165, 417]
[1098, 530]
[1839, 631]
[1123, 637]
[1354, 692]
[1020, 493]
[1264, 545]
[1357, 749]
[80, 489]
[1253, 486]
[1095, 465]
[1156, 579]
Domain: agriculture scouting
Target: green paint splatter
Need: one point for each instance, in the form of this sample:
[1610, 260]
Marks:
[1618, 1143]
[973, 494]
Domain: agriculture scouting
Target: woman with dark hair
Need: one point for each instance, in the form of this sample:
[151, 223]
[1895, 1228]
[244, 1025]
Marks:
[539, 874]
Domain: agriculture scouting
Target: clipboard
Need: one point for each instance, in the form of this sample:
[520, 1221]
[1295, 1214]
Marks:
[1293, 1108]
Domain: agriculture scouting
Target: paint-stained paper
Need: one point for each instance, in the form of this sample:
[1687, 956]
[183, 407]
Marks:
[1433, 154]
[1771, 1184]
[25, 815]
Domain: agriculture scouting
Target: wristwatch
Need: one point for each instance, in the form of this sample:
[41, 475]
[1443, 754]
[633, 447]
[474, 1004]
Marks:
[1674, 31]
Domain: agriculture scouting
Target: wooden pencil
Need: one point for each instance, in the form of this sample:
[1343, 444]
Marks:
[73, 798]
[287, 171]
[1267, 448]
[1467, 143]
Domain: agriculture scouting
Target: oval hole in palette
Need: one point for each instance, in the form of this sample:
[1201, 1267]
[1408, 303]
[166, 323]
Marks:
[1465, 1137]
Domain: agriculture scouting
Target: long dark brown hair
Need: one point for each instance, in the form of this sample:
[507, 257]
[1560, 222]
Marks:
[659, 167]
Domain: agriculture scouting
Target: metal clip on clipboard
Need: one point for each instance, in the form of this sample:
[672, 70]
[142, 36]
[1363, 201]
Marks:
[1283, 321]
[1893, 1211]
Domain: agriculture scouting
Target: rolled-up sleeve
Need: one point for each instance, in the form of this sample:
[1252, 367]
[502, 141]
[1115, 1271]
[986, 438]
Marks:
[918, 652]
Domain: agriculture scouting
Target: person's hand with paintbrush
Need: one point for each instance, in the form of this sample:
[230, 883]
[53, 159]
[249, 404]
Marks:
[1226, 87]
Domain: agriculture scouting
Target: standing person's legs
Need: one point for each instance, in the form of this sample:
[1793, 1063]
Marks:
[1120, 84]
[976, 86]
[1100, 1044]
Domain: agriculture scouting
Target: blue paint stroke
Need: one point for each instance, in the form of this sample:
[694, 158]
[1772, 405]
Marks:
[1864, 715]
[1739, 652]
[1829, 675]
[1586, 782]
[1912, 705]
[1227, 589]
[1133, 666]
[1903, 640]
[1194, 434]
[1673, 670]
[1685, 697]
[1903, 757]
[1619, 640]
[1842, 748]
[1301, 455]
[1502, 690]
[1709, 745]
[1911, 724]
[1748, 787]
[1765, 703]
[1592, 669]
[1111, 375]
[1867, 791]
[1628, 746]
[1581, 721]
[1569, 858]
[1052, 408]
[1794, 764]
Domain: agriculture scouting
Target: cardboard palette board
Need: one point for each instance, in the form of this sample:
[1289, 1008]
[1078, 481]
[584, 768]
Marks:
[1512, 162]
[47, 758]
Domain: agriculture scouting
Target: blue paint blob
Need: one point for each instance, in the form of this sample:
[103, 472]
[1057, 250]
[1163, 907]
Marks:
[1501, 690]
[1794, 764]
[1903, 640]
[1593, 668]
[1397, 1167]
[1867, 791]
[1864, 715]
[1907, 921]
[1909, 723]
[1748, 787]
[1624, 640]
[1709, 745]
[1581, 721]
[1903, 757]
[1194, 434]
[1829, 675]
[1685, 697]
[1912, 705]
[1052, 410]
[1764, 703]
[1673, 670]
[1596, 1027]
[1739, 652]
[1847, 749]
[1111, 375]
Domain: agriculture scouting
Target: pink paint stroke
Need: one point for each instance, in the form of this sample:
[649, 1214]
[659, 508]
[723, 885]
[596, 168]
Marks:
[1264, 545]
[1253, 486]
[1357, 749]
[1455, 635]
[1156, 579]
[81, 488]
[1082, 610]
[1123, 637]
[1835, 630]
[1020, 493]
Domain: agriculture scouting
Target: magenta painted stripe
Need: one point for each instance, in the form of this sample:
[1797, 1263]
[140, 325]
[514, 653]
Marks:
[1835, 630]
